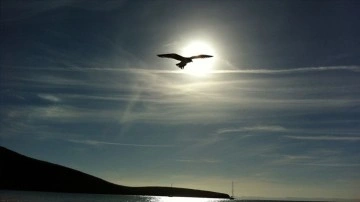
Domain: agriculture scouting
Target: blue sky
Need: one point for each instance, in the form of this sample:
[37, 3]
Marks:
[278, 112]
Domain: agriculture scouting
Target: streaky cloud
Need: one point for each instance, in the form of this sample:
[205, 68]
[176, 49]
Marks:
[254, 128]
[229, 71]
[99, 143]
[323, 138]
[134, 70]
[48, 97]
[29, 9]
[293, 159]
[332, 164]
[209, 161]
[137, 70]
[294, 70]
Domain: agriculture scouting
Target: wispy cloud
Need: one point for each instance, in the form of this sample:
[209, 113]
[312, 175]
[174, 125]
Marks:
[293, 159]
[171, 98]
[133, 70]
[210, 161]
[324, 138]
[314, 159]
[100, 143]
[265, 128]
[139, 70]
[100, 5]
[290, 70]
[48, 97]
[244, 132]
[29, 8]
[32, 8]
[332, 164]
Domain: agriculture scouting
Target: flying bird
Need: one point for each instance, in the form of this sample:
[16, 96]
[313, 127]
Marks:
[183, 60]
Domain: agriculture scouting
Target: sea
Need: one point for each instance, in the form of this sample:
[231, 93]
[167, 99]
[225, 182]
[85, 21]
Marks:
[30, 196]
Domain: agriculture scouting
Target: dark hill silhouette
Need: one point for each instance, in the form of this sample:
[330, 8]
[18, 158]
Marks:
[18, 172]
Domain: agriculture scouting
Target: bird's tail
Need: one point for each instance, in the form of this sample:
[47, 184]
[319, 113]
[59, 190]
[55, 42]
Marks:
[181, 65]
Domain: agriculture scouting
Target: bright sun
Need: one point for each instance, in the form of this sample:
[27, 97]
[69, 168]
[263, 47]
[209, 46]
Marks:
[199, 67]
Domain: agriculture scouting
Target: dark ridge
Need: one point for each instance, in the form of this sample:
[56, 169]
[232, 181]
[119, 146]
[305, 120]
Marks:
[19, 172]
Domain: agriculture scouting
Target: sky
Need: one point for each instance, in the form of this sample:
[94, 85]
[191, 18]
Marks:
[276, 110]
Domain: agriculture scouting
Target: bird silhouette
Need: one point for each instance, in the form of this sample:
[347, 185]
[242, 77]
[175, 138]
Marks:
[183, 60]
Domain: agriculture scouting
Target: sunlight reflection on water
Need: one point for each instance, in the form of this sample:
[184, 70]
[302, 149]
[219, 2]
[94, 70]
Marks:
[181, 199]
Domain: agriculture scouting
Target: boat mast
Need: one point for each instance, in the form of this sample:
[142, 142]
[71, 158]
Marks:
[232, 189]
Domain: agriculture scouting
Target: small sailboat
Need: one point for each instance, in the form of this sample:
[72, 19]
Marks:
[232, 191]
[171, 191]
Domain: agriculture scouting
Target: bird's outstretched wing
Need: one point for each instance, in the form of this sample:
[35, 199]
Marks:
[201, 56]
[172, 55]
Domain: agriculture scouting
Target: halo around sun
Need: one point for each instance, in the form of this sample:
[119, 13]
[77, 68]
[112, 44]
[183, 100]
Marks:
[199, 67]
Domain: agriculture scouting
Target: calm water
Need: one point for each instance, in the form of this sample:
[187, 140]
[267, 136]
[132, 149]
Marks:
[22, 196]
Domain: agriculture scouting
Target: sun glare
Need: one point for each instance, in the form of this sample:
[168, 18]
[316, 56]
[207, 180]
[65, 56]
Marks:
[199, 67]
[181, 199]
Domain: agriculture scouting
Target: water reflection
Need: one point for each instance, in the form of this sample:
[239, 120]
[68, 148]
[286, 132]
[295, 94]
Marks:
[182, 199]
